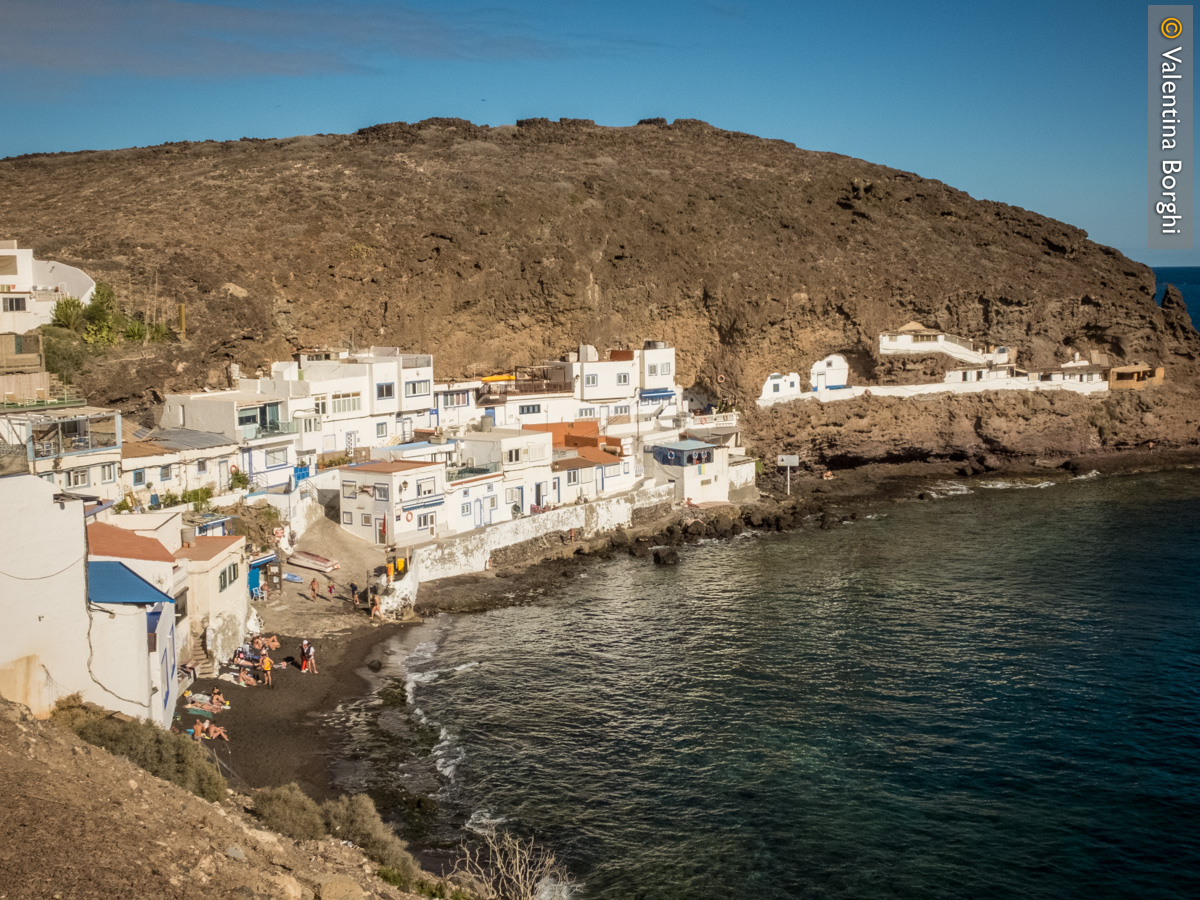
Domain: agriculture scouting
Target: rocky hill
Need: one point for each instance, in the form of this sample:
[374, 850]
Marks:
[499, 246]
[77, 822]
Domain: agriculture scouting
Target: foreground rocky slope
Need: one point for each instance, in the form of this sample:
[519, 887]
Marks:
[499, 246]
[77, 822]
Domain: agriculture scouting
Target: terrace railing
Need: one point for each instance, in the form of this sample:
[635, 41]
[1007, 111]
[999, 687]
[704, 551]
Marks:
[255, 431]
[500, 389]
[464, 472]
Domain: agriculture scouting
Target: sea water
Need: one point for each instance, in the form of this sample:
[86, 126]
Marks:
[994, 694]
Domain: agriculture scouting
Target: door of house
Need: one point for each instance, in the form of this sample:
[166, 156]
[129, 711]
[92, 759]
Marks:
[479, 513]
[820, 381]
[351, 442]
[380, 530]
[557, 493]
[223, 475]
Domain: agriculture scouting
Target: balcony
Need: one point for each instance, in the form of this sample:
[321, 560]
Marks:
[496, 391]
[714, 420]
[416, 361]
[464, 472]
[51, 446]
[255, 431]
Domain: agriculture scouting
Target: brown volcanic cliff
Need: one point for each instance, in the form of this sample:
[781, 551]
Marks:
[499, 246]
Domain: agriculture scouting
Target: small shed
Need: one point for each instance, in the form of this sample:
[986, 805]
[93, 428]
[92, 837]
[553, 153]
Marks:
[831, 372]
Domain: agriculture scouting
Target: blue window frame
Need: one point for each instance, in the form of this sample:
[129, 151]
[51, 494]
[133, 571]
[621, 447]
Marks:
[385, 391]
[139, 477]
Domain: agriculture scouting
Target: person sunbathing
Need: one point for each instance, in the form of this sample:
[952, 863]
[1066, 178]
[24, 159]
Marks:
[212, 732]
[208, 707]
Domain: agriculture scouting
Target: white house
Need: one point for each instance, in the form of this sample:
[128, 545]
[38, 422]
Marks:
[698, 470]
[476, 497]
[73, 626]
[523, 456]
[76, 448]
[396, 502]
[780, 388]
[261, 423]
[218, 595]
[454, 404]
[830, 373]
[916, 338]
[29, 288]
[177, 461]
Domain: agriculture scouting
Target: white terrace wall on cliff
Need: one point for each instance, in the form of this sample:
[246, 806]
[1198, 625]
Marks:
[471, 553]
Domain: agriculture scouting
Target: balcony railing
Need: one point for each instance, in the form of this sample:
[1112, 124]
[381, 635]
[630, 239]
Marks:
[255, 431]
[464, 472]
[497, 390]
[49, 448]
[33, 404]
[713, 420]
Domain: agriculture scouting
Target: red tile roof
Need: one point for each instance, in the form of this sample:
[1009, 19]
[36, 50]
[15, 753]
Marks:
[109, 540]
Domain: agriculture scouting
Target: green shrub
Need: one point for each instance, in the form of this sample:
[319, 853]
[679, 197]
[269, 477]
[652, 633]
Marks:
[169, 499]
[291, 812]
[65, 355]
[137, 331]
[161, 333]
[172, 757]
[239, 480]
[101, 334]
[68, 314]
[354, 818]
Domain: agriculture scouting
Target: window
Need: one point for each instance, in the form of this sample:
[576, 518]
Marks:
[347, 518]
[366, 519]
[425, 487]
[572, 476]
[381, 429]
[620, 410]
[248, 416]
[320, 405]
[664, 369]
[416, 388]
[426, 520]
[202, 467]
[77, 478]
[164, 473]
[530, 409]
[622, 378]
[108, 473]
[512, 456]
[588, 412]
[512, 495]
[347, 402]
[14, 304]
[466, 509]
[276, 457]
[381, 492]
[452, 399]
[311, 424]
[591, 380]
[775, 387]
[349, 490]
[229, 576]
[139, 477]
[385, 391]
[491, 502]
[652, 369]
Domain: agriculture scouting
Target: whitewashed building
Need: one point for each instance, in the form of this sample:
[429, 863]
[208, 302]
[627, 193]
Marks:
[523, 456]
[75, 448]
[393, 502]
[30, 287]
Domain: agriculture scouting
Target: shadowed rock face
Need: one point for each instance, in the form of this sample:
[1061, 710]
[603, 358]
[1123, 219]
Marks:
[498, 246]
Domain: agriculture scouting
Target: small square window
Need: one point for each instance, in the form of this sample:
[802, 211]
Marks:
[622, 378]
[349, 490]
[381, 429]
[202, 467]
[164, 473]
[381, 492]
[425, 487]
[385, 391]
[366, 518]
[466, 509]
[347, 518]
[139, 477]
[108, 473]
[591, 380]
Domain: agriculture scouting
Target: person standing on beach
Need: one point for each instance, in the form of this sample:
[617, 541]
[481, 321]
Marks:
[354, 593]
[376, 609]
[303, 656]
[308, 656]
[315, 588]
[330, 586]
[266, 669]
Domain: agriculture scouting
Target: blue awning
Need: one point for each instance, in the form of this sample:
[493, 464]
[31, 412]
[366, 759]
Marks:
[424, 504]
[262, 560]
[114, 582]
[657, 394]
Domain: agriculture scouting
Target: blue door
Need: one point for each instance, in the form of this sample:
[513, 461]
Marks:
[252, 578]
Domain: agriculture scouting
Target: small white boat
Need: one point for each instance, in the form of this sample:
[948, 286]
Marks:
[306, 560]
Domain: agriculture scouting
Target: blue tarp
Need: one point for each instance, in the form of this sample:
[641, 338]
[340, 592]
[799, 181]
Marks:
[657, 394]
[114, 582]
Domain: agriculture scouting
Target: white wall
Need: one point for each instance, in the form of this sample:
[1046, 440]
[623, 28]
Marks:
[472, 552]
[831, 372]
[43, 597]
[779, 388]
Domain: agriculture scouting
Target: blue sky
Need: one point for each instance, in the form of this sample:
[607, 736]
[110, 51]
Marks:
[1042, 105]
